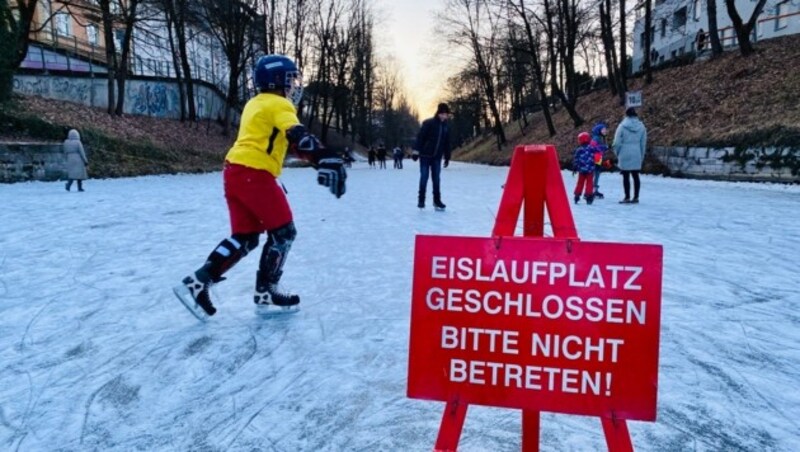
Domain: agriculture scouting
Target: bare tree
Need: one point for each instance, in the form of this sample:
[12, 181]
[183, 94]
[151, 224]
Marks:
[15, 28]
[648, 41]
[233, 24]
[743, 30]
[533, 49]
[623, 45]
[561, 43]
[713, 32]
[464, 20]
[179, 14]
[128, 18]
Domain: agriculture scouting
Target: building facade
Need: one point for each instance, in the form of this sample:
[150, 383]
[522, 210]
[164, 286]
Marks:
[68, 36]
[680, 27]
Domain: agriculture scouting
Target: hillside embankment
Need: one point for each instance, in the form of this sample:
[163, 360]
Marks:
[731, 101]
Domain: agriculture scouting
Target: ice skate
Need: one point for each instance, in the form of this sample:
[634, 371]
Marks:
[598, 195]
[589, 199]
[194, 295]
[577, 198]
[438, 205]
[270, 300]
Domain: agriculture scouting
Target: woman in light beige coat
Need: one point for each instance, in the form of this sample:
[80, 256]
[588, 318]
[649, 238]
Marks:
[76, 159]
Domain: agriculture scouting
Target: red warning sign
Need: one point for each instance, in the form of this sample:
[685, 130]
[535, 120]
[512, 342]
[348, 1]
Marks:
[537, 324]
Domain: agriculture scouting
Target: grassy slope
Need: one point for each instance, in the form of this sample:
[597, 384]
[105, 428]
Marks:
[731, 101]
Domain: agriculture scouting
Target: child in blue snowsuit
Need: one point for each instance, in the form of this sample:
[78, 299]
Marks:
[583, 164]
[599, 133]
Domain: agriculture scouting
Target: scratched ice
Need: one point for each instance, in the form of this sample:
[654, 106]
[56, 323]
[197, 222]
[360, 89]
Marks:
[98, 355]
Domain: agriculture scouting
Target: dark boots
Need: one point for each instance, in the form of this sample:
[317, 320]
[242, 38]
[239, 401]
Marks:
[267, 291]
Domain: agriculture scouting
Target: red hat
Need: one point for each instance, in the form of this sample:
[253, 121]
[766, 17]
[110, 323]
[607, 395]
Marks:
[584, 138]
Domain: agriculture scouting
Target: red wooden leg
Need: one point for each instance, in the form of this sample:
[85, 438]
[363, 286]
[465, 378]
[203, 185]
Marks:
[450, 429]
[618, 438]
[530, 431]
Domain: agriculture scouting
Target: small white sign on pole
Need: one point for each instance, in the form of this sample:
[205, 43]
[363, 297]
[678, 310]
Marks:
[633, 99]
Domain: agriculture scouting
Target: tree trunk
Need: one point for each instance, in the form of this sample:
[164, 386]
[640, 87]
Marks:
[176, 59]
[554, 88]
[713, 32]
[743, 30]
[15, 26]
[648, 40]
[607, 48]
[623, 45]
[122, 70]
[538, 75]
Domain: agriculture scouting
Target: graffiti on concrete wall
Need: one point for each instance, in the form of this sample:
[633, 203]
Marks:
[32, 86]
[143, 97]
[71, 89]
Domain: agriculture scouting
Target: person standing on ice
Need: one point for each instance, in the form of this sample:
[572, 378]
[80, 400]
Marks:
[583, 164]
[630, 143]
[256, 201]
[76, 159]
[432, 145]
[599, 133]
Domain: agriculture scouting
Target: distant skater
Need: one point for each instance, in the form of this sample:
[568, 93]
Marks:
[431, 147]
[76, 159]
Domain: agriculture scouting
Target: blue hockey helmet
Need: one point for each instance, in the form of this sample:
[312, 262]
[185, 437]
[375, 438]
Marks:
[277, 72]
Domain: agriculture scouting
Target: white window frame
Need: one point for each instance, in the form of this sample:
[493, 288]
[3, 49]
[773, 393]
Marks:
[92, 34]
[63, 24]
[781, 9]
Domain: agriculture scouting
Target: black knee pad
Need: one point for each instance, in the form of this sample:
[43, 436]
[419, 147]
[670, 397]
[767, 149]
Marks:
[248, 241]
[284, 234]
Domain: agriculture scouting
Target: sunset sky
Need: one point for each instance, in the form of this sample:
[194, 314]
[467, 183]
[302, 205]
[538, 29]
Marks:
[405, 31]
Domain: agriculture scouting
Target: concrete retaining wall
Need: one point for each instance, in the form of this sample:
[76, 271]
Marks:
[145, 97]
[31, 161]
[710, 163]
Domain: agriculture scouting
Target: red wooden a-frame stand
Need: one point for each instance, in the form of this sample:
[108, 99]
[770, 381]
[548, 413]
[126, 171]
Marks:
[535, 180]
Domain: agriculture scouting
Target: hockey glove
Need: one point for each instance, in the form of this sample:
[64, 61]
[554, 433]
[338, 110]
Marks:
[331, 174]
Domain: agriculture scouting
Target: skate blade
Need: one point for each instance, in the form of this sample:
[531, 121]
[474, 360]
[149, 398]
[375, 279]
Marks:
[183, 295]
[438, 209]
[271, 310]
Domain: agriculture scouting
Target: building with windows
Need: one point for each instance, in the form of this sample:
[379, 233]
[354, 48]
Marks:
[68, 36]
[680, 27]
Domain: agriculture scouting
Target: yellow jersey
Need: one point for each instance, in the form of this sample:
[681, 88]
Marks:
[262, 143]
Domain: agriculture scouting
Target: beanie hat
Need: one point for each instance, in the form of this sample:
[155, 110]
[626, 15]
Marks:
[442, 108]
[630, 112]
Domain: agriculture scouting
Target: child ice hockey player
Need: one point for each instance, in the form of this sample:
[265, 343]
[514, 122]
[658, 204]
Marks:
[583, 164]
[599, 134]
[256, 201]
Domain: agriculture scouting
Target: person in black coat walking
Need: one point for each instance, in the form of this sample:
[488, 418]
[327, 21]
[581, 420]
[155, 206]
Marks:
[433, 145]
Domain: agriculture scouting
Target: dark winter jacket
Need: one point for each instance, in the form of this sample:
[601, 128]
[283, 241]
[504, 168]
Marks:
[599, 142]
[433, 139]
[583, 161]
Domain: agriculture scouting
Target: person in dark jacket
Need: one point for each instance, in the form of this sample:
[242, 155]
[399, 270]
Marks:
[433, 145]
[381, 156]
[599, 134]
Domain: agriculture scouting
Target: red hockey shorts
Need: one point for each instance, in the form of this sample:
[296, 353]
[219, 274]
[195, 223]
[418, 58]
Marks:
[587, 181]
[256, 201]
